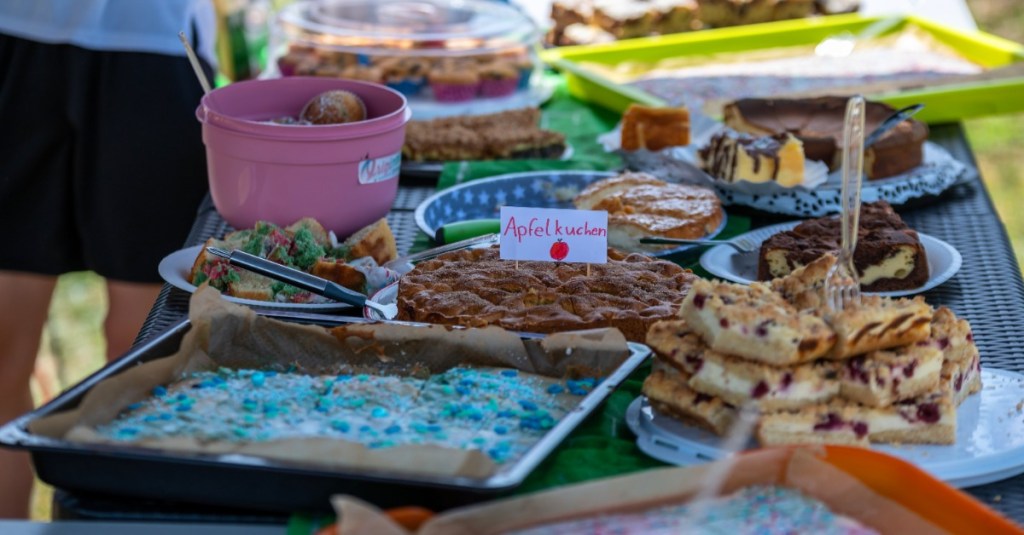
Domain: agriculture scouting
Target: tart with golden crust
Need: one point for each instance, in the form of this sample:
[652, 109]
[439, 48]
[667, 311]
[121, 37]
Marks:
[640, 205]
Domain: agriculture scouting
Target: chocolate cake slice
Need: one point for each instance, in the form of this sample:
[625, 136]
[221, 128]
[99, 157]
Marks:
[889, 254]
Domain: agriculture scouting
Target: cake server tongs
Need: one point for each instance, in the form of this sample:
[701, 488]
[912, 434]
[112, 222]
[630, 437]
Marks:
[301, 279]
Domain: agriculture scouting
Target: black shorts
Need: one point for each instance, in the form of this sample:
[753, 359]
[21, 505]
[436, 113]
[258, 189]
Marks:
[102, 165]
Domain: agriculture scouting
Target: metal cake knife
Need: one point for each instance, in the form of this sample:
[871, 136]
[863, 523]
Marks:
[301, 279]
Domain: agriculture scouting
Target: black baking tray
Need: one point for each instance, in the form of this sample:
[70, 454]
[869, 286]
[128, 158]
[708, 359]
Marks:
[248, 482]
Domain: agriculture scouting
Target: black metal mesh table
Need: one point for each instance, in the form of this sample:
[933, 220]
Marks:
[988, 290]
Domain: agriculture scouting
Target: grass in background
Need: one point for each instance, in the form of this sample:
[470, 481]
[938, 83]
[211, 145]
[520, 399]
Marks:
[73, 345]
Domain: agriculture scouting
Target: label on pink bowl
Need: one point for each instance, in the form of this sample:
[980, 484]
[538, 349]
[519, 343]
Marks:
[380, 169]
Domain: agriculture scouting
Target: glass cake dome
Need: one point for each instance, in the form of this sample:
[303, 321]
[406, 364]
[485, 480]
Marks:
[426, 27]
[449, 57]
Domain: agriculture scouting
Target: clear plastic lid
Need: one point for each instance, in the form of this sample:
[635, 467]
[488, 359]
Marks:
[420, 27]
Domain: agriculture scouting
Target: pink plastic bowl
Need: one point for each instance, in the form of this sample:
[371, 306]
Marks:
[345, 175]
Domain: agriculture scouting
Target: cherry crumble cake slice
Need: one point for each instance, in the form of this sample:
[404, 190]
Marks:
[755, 323]
[880, 323]
[737, 381]
[930, 419]
[881, 378]
[668, 392]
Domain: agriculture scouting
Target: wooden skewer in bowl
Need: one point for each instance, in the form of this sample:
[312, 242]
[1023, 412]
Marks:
[194, 60]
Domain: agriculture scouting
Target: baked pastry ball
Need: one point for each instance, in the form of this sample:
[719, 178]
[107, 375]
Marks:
[334, 107]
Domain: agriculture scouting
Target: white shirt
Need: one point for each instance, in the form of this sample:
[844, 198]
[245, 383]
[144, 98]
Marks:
[119, 25]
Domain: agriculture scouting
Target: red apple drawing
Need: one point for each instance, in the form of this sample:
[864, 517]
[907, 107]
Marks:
[559, 250]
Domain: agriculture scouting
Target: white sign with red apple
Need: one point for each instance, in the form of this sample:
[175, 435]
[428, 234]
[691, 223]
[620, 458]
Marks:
[554, 235]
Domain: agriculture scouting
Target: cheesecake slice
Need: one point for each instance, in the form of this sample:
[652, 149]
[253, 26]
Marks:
[881, 378]
[734, 157]
[889, 254]
[755, 323]
[930, 419]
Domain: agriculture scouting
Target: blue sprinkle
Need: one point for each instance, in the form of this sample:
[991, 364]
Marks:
[128, 431]
[270, 373]
[418, 427]
[182, 397]
[434, 428]
[479, 441]
[258, 379]
[463, 391]
[500, 429]
[393, 429]
[379, 412]
[509, 373]
[134, 406]
[527, 405]
[362, 378]
[240, 432]
[183, 407]
[166, 416]
[151, 418]
[344, 377]
[381, 444]
[555, 389]
[160, 391]
[467, 382]
[219, 380]
[339, 425]
[506, 414]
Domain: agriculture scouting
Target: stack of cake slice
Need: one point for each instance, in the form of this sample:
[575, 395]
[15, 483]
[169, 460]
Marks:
[889, 370]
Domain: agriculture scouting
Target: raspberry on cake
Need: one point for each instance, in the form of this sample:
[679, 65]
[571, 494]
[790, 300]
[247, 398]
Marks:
[669, 394]
[953, 336]
[837, 422]
[881, 378]
[930, 419]
[961, 379]
[675, 344]
[755, 323]
[737, 381]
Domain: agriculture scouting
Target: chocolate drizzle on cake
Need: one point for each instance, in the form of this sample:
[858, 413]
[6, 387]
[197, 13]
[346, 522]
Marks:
[720, 156]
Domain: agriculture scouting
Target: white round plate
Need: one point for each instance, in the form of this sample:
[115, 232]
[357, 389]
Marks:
[989, 436]
[727, 263]
[176, 267]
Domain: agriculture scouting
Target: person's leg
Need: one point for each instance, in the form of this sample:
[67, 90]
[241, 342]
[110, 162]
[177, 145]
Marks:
[130, 303]
[25, 302]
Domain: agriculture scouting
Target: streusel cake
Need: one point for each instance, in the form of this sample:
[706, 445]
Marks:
[475, 287]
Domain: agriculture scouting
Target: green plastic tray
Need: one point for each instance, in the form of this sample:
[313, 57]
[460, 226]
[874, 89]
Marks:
[947, 103]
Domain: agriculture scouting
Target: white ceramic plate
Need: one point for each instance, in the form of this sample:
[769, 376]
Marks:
[989, 436]
[176, 267]
[727, 263]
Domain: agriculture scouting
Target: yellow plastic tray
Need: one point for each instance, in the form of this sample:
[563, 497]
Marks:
[943, 104]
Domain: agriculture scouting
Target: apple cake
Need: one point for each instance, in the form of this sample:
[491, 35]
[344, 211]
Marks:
[474, 288]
